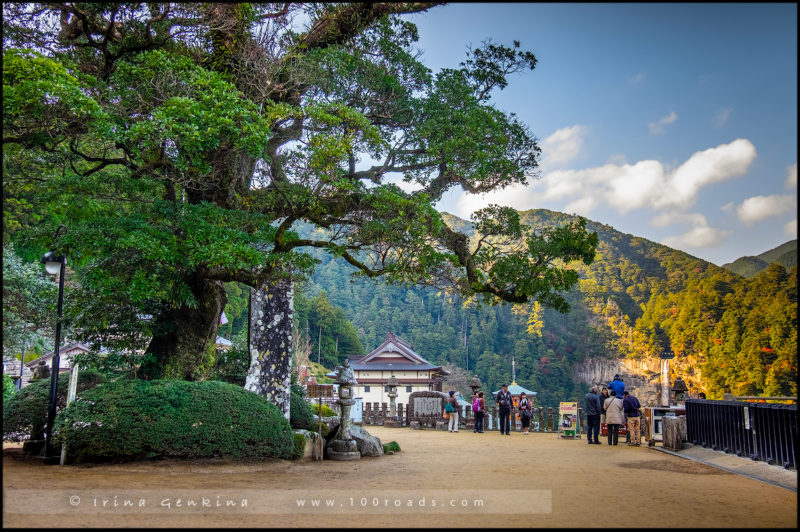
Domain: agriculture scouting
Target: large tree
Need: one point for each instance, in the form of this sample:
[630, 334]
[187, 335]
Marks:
[181, 144]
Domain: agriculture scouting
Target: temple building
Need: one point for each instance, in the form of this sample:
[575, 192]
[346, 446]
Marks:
[397, 357]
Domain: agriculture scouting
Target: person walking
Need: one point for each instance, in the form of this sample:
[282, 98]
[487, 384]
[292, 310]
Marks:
[451, 407]
[613, 407]
[480, 413]
[525, 412]
[630, 406]
[593, 410]
[504, 401]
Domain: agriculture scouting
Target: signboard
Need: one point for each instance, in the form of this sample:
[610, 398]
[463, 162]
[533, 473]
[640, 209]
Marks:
[568, 422]
[319, 390]
[667, 355]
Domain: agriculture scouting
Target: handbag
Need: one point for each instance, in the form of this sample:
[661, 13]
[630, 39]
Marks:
[445, 415]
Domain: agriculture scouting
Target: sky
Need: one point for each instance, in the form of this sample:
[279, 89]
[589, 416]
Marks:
[673, 122]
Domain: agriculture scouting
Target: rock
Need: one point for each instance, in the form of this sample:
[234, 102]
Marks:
[312, 449]
[368, 445]
[416, 425]
[441, 425]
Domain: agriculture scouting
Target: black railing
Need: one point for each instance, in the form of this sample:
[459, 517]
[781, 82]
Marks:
[760, 431]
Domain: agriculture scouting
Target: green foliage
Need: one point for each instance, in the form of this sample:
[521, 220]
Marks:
[326, 410]
[784, 255]
[9, 389]
[300, 414]
[329, 325]
[25, 414]
[134, 419]
[391, 446]
[622, 306]
[299, 446]
[183, 148]
[29, 300]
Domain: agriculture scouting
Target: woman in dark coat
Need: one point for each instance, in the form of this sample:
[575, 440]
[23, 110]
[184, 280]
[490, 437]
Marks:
[525, 412]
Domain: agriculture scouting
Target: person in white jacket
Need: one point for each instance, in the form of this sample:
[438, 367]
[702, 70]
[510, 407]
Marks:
[614, 416]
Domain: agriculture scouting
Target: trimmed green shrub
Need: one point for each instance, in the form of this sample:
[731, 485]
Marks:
[25, 414]
[300, 414]
[299, 446]
[326, 410]
[134, 419]
[391, 446]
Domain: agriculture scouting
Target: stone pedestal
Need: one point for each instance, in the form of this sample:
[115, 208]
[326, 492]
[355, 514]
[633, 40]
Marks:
[344, 447]
[416, 425]
[673, 430]
[391, 422]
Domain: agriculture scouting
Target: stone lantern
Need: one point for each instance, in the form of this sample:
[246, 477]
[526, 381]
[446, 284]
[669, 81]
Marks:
[343, 446]
[391, 420]
[475, 384]
[680, 389]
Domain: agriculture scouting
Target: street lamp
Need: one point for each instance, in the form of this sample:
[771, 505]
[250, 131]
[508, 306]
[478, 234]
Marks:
[54, 265]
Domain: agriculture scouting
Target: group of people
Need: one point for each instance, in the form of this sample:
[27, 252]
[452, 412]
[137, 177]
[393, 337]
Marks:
[615, 407]
[505, 402]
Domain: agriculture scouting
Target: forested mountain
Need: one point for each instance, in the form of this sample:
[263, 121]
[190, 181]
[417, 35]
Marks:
[785, 255]
[636, 299]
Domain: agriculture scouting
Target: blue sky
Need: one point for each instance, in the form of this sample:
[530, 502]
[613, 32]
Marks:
[675, 122]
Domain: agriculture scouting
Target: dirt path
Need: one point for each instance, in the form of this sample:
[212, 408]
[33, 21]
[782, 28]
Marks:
[535, 480]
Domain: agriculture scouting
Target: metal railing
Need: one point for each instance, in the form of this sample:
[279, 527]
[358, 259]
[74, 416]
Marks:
[760, 431]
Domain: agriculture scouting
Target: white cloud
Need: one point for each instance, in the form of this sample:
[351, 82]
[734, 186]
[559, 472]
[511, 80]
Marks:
[625, 187]
[790, 229]
[562, 146]
[758, 208]
[705, 167]
[637, 79]
[791, 176]
[658, 127]
[722, 116]
[728, 207]
[698, 237]
[617, 158]
[581, 206]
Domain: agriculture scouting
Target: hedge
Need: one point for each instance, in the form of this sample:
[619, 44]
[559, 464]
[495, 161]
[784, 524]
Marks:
[25, 414]
[300, 414]
[326, 410]
[134, 419]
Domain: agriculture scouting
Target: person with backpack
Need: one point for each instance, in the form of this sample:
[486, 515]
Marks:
[525, 412]
[479, 408]
[451, 407]
[505, 402]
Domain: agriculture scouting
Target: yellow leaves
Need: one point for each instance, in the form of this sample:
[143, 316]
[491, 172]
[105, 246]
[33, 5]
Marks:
[533, 311]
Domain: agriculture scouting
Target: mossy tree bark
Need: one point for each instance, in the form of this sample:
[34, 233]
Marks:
[271, 343]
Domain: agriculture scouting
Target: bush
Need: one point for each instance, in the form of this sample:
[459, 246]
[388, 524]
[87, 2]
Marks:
[300, 414]
[9, 388]
[299, 446]
[326, 410]
[391, 446]
[25, 414]
[133, 419]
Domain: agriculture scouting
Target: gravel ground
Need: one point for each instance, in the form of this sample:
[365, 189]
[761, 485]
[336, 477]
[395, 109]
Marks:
[439, 479]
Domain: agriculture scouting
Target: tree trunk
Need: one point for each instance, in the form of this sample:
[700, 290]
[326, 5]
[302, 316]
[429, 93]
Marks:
[271, 343]
[184, 339]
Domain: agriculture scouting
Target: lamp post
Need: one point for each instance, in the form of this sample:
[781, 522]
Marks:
[54, 265]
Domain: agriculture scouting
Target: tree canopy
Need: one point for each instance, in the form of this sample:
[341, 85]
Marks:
[181, 144]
